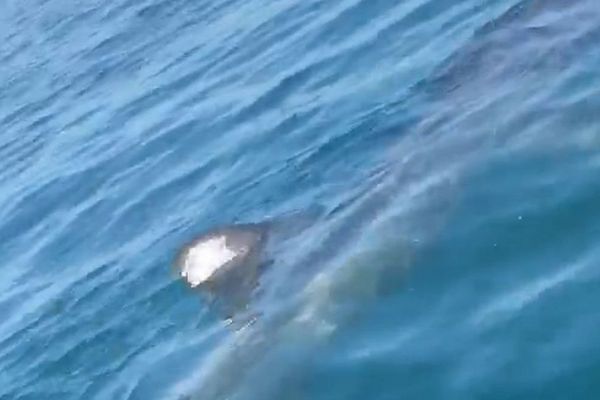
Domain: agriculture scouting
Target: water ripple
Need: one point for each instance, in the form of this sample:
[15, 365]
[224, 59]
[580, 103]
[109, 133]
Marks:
[452, 144]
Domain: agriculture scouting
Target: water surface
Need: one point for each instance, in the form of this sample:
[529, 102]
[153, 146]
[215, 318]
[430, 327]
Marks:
[453, 146]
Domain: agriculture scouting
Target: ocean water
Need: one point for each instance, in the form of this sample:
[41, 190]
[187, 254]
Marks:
[452, 148]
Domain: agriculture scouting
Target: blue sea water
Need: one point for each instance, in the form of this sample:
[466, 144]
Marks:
[453, 147]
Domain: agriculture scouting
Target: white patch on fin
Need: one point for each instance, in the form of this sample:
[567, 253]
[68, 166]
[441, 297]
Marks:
[204, 258]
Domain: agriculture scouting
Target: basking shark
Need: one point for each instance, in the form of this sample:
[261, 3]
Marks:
[225, 263]
[448, 141]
